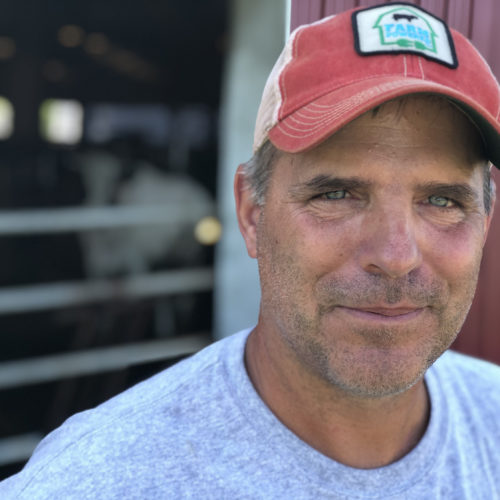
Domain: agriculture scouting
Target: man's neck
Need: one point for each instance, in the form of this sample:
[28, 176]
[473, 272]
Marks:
[359, 432]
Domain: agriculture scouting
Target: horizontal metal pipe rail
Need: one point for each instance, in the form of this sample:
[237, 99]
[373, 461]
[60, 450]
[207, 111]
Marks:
[39, 297]
[19, 448]
[23, 372]
[13, 374]
[75, 219]
[42, 297]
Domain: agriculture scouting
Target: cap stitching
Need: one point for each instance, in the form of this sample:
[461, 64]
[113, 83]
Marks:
[421, 67]
[308, 131]
[318, 125]
[347, 83]
[405, 74]
[334, 111]
[328, 117]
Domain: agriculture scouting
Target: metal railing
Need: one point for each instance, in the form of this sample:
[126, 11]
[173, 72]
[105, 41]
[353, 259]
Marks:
[77, 219]
[91, 361]
[40, 297]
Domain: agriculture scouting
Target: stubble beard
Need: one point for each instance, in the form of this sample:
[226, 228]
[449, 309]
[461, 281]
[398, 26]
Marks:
[371, 372]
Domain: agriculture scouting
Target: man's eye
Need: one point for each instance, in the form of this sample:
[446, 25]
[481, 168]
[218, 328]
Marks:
[336, 195]
[441, 201]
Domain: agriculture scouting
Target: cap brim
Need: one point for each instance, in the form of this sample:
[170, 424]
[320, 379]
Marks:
[310, 125]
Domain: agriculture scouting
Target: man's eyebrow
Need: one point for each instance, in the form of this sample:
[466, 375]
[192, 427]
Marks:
[324, 183]
[461, 192]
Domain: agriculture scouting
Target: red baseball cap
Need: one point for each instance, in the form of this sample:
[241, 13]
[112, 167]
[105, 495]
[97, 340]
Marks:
[334, 70]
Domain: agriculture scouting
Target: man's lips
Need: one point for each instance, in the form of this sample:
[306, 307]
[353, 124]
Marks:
[381, 313]
[388, 311]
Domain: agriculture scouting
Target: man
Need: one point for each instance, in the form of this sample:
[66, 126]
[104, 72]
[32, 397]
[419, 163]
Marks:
[367, 204]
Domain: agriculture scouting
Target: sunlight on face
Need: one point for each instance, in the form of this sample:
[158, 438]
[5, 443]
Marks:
[369, 246]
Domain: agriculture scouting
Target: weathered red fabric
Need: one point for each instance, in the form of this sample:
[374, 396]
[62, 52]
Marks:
[326, 84]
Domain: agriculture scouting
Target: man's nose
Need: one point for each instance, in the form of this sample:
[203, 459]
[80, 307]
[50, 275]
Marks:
[391, 246]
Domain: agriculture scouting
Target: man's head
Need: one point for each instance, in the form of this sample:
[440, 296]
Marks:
[367, 206]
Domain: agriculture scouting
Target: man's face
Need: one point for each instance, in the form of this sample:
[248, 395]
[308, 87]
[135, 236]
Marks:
[369, 247]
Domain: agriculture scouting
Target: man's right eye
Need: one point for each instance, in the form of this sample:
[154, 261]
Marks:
[335, 195]
[441, 201]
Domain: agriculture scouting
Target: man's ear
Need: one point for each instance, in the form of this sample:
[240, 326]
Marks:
[247, 211]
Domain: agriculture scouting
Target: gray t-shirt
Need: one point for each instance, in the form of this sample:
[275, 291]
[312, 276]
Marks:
[199, 430]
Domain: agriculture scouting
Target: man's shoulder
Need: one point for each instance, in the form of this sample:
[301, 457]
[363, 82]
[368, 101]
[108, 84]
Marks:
[470, 380]
[465, 394]
[156, 421]
[469, 366]
[180, 386]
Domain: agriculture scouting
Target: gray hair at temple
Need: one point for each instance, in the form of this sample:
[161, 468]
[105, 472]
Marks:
[258, 169]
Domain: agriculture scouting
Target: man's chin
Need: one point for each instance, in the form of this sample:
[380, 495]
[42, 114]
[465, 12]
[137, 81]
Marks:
[379, 373]
[361, 389]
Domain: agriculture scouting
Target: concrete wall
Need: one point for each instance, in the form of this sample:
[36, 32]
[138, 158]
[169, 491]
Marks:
[258, 33]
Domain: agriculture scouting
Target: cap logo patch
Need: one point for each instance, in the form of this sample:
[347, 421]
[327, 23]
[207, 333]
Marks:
[400, 28]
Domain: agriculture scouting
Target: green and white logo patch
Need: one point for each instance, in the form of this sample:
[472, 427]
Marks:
[403, 28]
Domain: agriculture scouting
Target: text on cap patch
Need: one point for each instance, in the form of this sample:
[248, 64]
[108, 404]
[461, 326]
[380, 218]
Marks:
[400, 28]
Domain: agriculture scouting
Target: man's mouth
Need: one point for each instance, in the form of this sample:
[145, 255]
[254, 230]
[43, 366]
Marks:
[383, 313]
[389, 311]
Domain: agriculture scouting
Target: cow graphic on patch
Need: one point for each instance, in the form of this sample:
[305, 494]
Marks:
[403, 28]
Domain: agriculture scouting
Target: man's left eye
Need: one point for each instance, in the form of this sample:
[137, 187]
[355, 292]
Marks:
[441, 201]
[336, 195]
